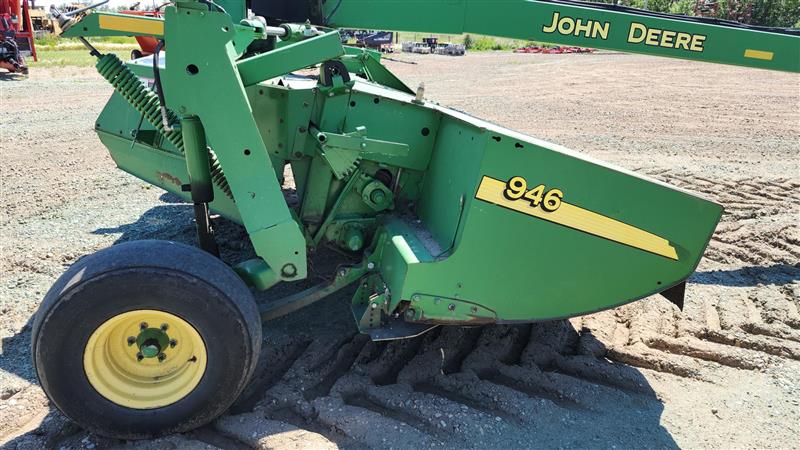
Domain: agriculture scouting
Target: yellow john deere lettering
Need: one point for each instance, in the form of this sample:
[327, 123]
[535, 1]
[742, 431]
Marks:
[655, 37]
[577, 27]
[133, 25]
[502, 193]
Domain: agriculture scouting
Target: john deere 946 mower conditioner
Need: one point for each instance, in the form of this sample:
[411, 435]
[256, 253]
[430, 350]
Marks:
[452, 220]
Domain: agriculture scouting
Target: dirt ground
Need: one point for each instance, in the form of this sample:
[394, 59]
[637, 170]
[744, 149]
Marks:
[724, 373]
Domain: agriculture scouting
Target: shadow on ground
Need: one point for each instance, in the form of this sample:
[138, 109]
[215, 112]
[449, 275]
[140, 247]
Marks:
[8, 76]
[777, 275]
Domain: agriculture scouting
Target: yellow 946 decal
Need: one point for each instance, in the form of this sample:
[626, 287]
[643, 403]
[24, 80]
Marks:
[548, 203]
[548, 199]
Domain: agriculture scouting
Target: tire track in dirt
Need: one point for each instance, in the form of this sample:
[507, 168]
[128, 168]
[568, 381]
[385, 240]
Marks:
[459, 385]
[739, 237]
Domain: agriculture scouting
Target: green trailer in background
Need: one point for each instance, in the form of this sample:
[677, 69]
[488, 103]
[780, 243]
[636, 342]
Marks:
[445, 219]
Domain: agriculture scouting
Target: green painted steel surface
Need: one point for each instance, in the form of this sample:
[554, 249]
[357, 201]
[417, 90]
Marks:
[205, 82]
[291, 57]
[367, 63]
[523, 267]
[115, 24]
[430, 199]
[555, 22]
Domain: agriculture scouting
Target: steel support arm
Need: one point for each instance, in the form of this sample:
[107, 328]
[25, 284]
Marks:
[581, 24]
[253, 70]
[289, 58]
[114, 24]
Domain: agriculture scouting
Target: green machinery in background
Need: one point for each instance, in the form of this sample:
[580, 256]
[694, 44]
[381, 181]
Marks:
[445, 218]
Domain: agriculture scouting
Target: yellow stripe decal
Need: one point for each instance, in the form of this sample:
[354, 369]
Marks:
[758, 54]
[491, 190]
[133, 25]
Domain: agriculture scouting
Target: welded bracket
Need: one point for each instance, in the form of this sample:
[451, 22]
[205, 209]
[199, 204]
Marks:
[676, 294]
[342, 151]
[346, 190]
[371, 303]
[368, 63]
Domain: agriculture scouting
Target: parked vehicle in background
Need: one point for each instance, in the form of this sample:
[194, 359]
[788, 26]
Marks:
[375, 40]
[451, 49]
[16, 36]
[433, 46]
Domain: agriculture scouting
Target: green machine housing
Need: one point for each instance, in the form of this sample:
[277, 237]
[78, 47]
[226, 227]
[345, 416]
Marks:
[453, 220]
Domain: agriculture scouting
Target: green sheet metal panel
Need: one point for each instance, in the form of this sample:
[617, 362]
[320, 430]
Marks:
[162, 169]
[451, 176]
[529, 268]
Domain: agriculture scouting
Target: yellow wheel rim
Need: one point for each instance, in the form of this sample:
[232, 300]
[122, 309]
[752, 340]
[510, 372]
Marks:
[145, 359]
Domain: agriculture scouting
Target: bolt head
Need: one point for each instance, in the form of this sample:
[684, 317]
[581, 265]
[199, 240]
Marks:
[289, 270]
[377, 196]
[374, 305]
[451, 306]
[164, 327]
[173, 342]
[370, 265]
[131, 340]
[162, 356]
[139, 356]
[143, 325]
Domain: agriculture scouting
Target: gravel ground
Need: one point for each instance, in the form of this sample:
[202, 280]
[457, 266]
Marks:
[724, 373]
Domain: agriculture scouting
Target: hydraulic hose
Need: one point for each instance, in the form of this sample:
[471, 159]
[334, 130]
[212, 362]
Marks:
[157, 85]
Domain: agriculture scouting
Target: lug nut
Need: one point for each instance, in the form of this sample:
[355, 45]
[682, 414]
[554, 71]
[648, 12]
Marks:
[143, 325]
[131, 340]
[161, 357]
[164, 327]
[139, 356]
[173, 342]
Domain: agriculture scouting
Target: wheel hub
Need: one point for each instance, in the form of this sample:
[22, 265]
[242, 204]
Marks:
[137, 365]
[151, 342]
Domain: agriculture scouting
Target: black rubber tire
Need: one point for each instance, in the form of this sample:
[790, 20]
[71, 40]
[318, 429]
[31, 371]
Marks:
[161, 275]
[136, 54]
